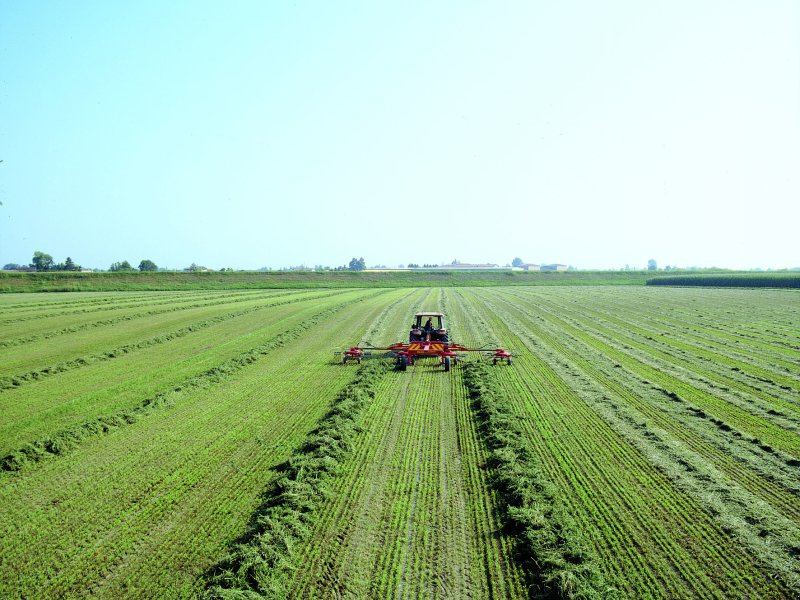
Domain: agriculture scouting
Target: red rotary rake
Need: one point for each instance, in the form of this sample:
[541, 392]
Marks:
[426, 340]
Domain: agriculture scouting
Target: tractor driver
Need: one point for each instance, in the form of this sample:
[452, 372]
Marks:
[428, 325]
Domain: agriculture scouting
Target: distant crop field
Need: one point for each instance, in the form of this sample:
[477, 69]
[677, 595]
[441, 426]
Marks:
[133, 281]
[645, 442]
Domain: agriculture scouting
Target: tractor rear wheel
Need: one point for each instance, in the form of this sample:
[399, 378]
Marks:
[446, 363]
[403, 363]
[509, 361]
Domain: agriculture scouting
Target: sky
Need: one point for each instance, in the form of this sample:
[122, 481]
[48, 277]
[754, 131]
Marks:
[251, 134]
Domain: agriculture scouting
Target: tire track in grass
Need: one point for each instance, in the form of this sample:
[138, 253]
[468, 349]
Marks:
[67, 440]
[15, 381]
[654, 539]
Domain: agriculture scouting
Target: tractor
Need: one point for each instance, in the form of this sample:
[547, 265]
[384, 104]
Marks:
[428, 337]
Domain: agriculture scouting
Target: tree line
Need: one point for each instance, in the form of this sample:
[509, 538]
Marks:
[43, 262]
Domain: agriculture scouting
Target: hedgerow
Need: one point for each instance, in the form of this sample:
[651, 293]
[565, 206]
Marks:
[261, 562]
[558, 563]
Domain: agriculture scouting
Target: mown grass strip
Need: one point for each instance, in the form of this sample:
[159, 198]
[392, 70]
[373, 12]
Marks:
[13, 381]
[217, 301]
[68, 439]
[261, 564]
[558, 563]
[121, 304]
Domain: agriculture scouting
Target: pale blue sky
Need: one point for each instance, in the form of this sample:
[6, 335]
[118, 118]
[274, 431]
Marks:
[247, 134]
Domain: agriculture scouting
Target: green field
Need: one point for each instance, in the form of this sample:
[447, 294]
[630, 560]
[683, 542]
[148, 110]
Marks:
[134, 281]
[645, 443]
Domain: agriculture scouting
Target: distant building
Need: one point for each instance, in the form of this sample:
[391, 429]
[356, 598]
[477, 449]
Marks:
[467, 266]
[554, 267]
[529, 267]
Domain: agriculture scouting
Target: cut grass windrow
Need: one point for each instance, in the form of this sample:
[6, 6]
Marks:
[14, 381]
[67, 439]
[653, 538]
[718, 478]
[557, 561]
[674, 377]
[263, 561]
[215, 300]
[114, 307]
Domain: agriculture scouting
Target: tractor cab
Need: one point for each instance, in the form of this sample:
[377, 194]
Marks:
[428, 327]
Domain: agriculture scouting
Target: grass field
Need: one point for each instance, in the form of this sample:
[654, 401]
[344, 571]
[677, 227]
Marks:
[645, 443]
[134, 281]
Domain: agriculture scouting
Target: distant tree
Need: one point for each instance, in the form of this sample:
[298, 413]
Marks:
[148, 265]
[357, 264]
[413, 266]
[120, 266]
[67, 265]
[652, 265]
[71, 266]
[193, 267]
[42, 261]
[517, 262]
[11, 267]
